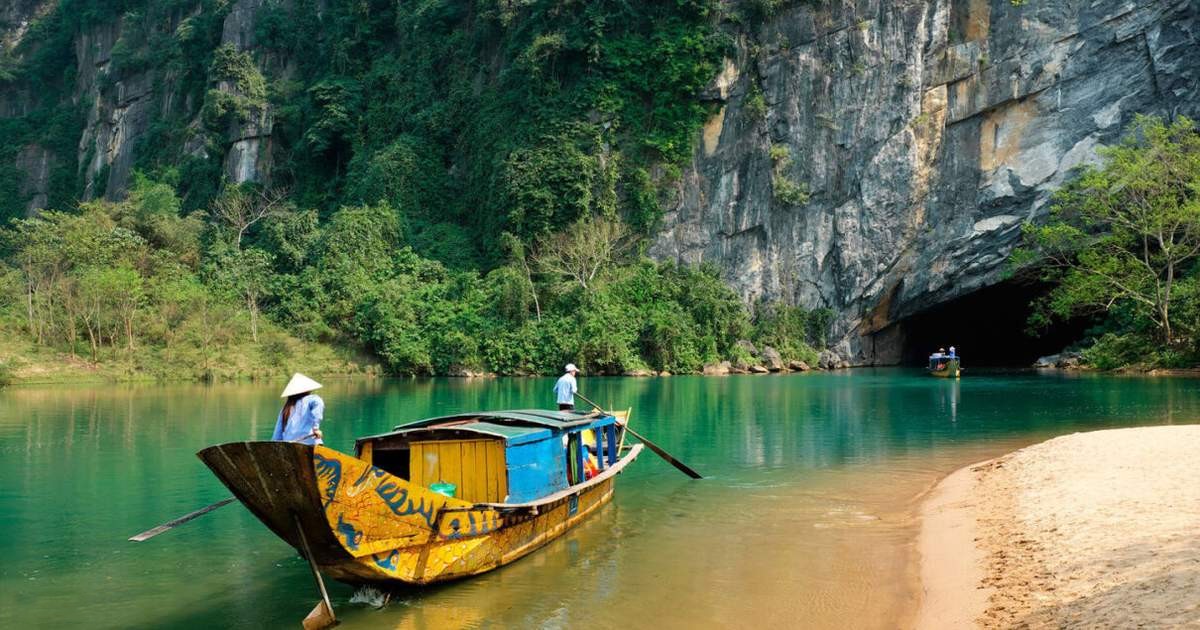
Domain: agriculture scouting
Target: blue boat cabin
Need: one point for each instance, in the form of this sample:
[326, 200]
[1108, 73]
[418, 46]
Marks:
[498, 457]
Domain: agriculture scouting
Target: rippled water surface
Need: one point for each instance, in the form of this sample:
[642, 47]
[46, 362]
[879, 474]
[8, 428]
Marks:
[805, 520]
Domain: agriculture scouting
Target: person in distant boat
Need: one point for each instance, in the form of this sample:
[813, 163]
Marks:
[300, 418]
[565, 388]
[935, 359]
[952, 354]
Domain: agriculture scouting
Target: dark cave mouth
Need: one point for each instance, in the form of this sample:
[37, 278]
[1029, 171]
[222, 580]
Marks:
[987, 327]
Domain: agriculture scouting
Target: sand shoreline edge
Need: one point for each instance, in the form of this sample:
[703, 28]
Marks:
[948, 555]
[1090, 529]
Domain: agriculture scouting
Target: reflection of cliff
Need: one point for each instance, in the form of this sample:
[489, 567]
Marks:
[926, 133]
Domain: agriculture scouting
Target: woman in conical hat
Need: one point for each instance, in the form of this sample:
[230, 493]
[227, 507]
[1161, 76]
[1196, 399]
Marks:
[300, 418]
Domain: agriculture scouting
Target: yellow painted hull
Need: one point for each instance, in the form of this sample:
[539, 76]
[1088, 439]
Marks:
[366, 525]
[950, 371]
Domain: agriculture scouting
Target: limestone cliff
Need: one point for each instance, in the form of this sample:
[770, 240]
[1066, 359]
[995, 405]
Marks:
[123, 102]
[925, 133]
[873, 157]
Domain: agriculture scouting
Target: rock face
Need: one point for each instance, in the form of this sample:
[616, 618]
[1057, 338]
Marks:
[872, 157]
[123, 105]
[925, 132]
[35, 162]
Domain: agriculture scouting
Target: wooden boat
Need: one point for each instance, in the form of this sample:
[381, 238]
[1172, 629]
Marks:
[522, 479]
[945, 367]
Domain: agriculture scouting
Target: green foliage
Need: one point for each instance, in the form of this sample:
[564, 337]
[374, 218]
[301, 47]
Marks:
[1113, 351]
[791, 330]
[1123, 240]
[783, 188]
[756, 103]
[559, 181]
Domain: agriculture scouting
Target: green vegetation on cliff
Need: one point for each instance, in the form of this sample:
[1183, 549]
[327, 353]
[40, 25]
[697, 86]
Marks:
[454, 186]
[1123, 245]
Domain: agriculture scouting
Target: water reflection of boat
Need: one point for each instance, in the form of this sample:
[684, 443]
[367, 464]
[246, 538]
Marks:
[520, 478]
[945, 367]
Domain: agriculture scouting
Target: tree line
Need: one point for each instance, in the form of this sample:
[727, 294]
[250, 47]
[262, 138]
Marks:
[119, 279]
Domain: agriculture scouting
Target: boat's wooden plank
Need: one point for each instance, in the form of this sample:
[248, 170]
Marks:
[450, 463]
[424, 463]
[470, 469]
[490, 472]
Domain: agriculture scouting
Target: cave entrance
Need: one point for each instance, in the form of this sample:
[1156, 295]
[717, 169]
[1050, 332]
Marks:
[988, 328]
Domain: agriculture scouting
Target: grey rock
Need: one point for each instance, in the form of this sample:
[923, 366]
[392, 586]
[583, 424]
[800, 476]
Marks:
[798, 366]
[927, 133]
[771, 359]
[1047, 361]
[829, 360]
[1060, 360]
[464, 372]
[747, 347]
[758, 369]
[640, 372]
[717, 369]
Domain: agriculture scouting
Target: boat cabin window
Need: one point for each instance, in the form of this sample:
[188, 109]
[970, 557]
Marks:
[396, 461]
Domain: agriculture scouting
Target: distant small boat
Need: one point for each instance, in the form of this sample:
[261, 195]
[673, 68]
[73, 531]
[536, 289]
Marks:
[945, 367]
[519, 479]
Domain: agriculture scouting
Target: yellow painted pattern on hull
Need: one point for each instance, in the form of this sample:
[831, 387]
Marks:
[387, 524]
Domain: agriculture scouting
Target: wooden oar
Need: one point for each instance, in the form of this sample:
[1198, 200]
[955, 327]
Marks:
[684, 468]
[172, 524]
[151, 533]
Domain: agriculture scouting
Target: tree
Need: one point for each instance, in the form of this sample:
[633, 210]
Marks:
[1126, 233]
[248, 272]
[580, 252]
[516, 251]
[240, 207]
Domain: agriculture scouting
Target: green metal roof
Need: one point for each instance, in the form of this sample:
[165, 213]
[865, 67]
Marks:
[512, 434]
[539, 417]
[516, 427]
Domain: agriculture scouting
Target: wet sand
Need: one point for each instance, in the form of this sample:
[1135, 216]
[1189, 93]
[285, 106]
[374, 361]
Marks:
[1094, 529]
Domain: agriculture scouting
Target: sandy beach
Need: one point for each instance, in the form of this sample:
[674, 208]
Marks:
[1098, 529]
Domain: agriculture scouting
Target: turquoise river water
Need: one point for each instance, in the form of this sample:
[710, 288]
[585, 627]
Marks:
[806, 519]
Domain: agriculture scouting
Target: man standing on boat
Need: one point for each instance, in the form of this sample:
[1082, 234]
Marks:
[300, 418]
[565, 388]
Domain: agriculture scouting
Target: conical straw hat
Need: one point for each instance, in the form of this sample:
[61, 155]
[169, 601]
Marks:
[299, 385]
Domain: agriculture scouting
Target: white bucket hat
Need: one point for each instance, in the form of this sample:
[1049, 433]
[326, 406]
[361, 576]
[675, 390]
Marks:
[571, 367]
[299, 385]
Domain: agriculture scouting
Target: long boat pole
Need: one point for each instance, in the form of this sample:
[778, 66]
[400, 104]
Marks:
[670, 459]
[318, 618]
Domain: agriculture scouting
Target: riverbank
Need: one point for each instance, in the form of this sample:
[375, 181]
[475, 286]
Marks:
[23, 362]
[1086, 530]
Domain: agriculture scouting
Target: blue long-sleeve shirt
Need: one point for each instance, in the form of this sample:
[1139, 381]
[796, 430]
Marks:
[305, 418]
[565, 388]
